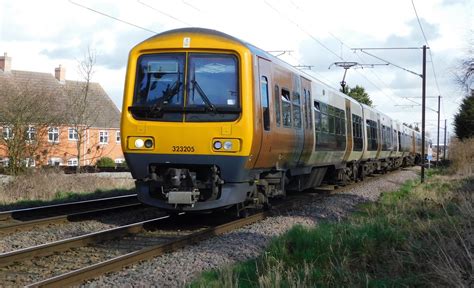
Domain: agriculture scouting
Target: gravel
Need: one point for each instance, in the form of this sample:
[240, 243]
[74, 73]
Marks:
[54, 232]
[179, 268]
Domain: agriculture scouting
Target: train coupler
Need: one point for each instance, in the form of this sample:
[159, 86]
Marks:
[183, 197]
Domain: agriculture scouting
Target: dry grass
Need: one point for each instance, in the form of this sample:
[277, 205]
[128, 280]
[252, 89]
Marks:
[461, 154]
[50, 185]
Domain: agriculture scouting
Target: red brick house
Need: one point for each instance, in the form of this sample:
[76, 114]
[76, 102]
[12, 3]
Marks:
[58, 143]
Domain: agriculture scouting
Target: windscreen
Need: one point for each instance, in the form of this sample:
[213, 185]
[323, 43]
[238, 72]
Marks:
[210, 91]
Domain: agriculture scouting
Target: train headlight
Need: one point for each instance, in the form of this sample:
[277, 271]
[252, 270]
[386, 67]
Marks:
[139, 143]
[217, 145]
[148, 143]
[228, 145]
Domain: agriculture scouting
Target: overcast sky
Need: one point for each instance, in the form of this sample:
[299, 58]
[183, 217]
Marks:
[40, 35]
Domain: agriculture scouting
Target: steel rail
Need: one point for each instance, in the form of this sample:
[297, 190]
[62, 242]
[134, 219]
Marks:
[117, 263]
[22, 225]
[79, 241]
[12, 214]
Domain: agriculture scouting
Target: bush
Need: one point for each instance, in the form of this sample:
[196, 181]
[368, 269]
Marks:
[461, 154]
[105, 162]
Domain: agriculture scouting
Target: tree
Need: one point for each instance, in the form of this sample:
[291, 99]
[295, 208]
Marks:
[464, 119]
[359, 94]
[25, 116]
[81, 114]
[464, 76]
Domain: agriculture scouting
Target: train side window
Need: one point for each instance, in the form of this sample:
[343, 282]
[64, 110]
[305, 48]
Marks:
[317, 117]
[265, 101]
[277, 105]
[357, 132]
[296, 110]
[324, 118]
[331, 119]
[372, 135]
[286, 107]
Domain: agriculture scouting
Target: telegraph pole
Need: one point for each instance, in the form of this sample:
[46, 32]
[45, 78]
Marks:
[445, 129]
[437, 145]
[423, 105]
[423, 92]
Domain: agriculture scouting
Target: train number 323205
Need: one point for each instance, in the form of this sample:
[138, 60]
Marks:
[182, 148]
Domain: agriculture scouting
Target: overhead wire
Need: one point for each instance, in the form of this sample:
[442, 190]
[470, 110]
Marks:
[112, 17]
[164, 13]
[332, 52]
[443, 105]
[302, 30]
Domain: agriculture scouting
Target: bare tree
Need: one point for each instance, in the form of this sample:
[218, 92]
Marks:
[81, 114]
[25, 115]
[464, 75]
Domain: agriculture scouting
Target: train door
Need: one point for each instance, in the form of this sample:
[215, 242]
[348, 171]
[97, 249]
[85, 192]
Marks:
[349, 133]
[266, 157]
[308, 142]
[379, 137]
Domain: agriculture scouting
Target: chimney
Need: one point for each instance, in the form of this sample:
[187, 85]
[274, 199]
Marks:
[5, 63]
[60, 74]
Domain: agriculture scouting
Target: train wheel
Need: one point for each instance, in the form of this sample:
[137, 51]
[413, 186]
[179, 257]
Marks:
[355, 169]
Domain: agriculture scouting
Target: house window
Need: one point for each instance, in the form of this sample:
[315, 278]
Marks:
[55, 161]
[53, 134]
[30, 133]
[103, 137]
[7, 133]
[72, 134]
[117, 136]
[5, 162]
[30, 162]
[72, 162]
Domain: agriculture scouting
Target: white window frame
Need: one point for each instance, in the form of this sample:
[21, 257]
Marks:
[72, 162]
[53, 134]
[53, 160]
[31, 134]
[30, 162]
[103, 137]
[71, 131]
[117, 136]
[7, 132]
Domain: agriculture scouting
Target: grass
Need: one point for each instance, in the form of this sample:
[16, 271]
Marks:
[420, 235]
[41, 187]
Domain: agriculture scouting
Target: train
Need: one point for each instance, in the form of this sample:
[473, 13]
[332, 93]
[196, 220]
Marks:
[212, 122]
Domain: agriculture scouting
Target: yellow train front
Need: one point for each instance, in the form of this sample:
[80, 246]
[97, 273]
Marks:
[187, 119]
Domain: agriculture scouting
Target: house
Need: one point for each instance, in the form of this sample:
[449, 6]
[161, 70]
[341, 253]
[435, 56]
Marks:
[89, 119]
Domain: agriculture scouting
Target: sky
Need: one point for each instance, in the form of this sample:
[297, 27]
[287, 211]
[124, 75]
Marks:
[40, 35]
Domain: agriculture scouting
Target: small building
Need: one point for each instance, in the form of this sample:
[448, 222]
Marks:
[97, 128]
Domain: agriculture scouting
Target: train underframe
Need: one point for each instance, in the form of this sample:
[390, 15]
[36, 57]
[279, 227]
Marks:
[204, 186]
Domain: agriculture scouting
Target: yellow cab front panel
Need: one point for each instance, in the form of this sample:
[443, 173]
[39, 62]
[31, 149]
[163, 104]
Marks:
[187, 119]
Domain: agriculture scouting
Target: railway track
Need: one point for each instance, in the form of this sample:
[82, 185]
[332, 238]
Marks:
[23, 219]
[78, 259]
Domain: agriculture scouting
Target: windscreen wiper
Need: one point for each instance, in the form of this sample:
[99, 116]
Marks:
[168, 94]
[203, 96]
